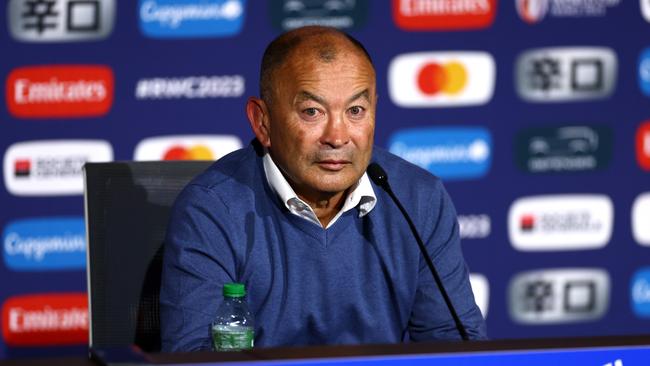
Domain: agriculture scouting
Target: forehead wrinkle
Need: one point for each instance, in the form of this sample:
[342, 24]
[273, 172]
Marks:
[365, 94]
[304, 95]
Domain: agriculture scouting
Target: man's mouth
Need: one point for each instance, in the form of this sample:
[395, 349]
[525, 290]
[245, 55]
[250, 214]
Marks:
[333, 164]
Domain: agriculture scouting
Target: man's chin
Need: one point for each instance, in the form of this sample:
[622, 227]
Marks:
[333, 186]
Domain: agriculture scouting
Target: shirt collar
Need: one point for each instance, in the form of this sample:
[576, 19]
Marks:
[363, 195]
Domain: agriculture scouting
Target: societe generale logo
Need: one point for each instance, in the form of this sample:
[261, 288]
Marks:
[561, 222]
[51, 167]
[45, 319]
[643, 145]
[186, 147]
[423, 15]
[441, 79]
[641, 218]
[562, 295]
[60, 91]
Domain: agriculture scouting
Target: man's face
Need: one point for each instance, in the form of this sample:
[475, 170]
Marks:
[322, 119]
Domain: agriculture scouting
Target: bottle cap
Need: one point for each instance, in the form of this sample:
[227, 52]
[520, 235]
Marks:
[234, 290]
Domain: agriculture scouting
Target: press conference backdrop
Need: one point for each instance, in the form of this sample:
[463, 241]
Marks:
[535, 114]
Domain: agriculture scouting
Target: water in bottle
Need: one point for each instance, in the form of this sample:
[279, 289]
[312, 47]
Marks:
[233, 328]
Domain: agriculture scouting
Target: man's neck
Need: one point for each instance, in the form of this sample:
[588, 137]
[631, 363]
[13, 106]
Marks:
[325, 206]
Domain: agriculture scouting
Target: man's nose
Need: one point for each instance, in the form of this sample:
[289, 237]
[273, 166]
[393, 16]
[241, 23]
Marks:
[335, 133]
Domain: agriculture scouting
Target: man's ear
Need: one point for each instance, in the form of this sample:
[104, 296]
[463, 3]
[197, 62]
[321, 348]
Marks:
[258, 116]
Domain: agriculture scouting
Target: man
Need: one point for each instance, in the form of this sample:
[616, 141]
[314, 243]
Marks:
[326, 257]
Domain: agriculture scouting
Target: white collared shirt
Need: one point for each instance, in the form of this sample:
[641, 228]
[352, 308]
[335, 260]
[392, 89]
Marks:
[362, 195]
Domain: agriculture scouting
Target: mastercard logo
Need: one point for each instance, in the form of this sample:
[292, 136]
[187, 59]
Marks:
[441, 79]
[196, 152]
[448, 78]
[186, 147]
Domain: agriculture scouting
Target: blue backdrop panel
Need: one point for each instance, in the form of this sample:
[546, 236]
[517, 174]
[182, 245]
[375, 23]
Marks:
[533, 113]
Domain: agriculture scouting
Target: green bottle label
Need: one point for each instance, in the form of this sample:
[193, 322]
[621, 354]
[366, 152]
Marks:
[232, 339]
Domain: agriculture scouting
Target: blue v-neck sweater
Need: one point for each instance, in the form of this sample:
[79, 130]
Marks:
[360, 281]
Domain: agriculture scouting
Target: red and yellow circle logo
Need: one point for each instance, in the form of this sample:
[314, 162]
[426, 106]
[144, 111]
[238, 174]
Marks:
[195, 152]
[448, 78]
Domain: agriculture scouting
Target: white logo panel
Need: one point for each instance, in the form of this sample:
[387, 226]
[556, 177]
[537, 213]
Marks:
[561, 222]
[641, 219]
[54, 167]
[186, 147]
[481, 290]
[559, 295]
[566, 74]
[474, 226]
[60, 20]
[441, 79]
[645, 9]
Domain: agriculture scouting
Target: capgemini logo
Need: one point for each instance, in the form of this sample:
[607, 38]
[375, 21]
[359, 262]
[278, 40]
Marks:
[45, 244]
[448, 152]
[191, 18]
[640, 293]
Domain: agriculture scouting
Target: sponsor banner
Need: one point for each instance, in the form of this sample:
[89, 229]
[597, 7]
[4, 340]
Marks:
[640, 292]
[191, 18]
[43, 244]
[433, 15]
[564, 149]
[566, 74]
[564, 295]
[534, 11]
[474, 226]
[51, 167]
[441, 79]
[641, 219]
[561, 222]
[45, 319]
[58, 91]
[451, 153]
[186, 147]
[644, 70]
[643, 145]
[342, 14]
[481, 290]
[190, 87]
[60, 20]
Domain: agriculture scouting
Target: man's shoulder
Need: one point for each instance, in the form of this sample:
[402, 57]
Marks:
[233, 170]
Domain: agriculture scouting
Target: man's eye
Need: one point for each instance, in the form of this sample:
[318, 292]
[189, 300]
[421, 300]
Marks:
[311, 112]
[356, 110]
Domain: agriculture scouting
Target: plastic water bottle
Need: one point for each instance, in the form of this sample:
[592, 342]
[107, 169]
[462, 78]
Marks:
[233, 328]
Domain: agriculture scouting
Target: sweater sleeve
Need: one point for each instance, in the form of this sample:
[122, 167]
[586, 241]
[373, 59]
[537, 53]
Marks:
[430, 318]
[198, 259]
